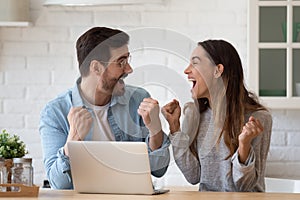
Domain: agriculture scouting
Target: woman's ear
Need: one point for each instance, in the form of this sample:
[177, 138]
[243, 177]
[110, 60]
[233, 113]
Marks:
[218, 70]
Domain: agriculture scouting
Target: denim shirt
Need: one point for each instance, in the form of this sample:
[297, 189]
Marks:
[124, 121]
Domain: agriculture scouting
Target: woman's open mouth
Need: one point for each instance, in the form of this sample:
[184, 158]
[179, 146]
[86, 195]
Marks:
[193, 81]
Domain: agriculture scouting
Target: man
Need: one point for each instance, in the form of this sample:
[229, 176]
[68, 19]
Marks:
[101, 107]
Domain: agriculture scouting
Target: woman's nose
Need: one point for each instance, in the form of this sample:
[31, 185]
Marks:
[188, 69]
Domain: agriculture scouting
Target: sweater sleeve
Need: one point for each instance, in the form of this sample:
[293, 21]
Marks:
[250, 175]
[181, 141]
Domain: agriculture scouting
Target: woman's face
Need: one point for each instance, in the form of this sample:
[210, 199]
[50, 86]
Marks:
[200, 73]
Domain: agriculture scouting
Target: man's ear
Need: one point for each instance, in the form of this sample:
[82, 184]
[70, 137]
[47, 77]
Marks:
[96, 67]
[218, 70]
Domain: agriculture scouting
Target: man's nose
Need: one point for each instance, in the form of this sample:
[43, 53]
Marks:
[128, 69]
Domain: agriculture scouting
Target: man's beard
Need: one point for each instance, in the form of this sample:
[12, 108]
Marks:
[115, 86]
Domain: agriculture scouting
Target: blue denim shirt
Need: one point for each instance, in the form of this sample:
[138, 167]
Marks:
[125, 123]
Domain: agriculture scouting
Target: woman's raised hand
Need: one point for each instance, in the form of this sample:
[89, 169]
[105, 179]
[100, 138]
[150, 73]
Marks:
[172, 112]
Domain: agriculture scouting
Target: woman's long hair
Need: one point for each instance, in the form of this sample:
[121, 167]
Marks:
[238, 101]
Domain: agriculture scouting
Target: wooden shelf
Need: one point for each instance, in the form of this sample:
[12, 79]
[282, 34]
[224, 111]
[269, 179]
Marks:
[14, 24]
[22, 191]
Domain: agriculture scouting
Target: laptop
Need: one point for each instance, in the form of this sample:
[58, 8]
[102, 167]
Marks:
[111, 167]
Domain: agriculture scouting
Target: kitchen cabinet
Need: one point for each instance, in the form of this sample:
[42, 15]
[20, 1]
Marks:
[274, 52]
[14, 12]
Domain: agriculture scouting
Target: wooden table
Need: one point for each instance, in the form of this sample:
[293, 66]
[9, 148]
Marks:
[172, 195]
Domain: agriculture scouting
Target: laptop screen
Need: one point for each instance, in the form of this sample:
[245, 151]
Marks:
[110, 167]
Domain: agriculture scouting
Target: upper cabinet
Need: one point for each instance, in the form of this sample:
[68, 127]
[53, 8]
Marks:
[97, 2]
[14, 12]
[274, 52]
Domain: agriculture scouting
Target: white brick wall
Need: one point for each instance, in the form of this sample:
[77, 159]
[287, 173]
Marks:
[120, 18]
[38, 62]
[9, 121]
[284, 156]
[1, 77]
[27, 77]
[21, 47]
[12, 92]
[12, 62]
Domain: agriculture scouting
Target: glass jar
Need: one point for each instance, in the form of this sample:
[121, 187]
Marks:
[22, 171]
[3, 174]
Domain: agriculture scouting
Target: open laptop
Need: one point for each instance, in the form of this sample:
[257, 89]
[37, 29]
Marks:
[111, 167]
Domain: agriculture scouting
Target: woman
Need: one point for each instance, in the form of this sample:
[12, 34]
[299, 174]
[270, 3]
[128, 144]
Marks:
[225, 136]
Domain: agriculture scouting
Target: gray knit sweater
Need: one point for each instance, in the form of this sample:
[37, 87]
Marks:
[213, 171]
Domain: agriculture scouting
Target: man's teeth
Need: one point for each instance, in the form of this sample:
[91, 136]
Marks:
[121, 80]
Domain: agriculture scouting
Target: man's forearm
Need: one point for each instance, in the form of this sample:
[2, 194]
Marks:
[156, 140]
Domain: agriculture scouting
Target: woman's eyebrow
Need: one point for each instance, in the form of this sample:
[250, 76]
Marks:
[196, 57]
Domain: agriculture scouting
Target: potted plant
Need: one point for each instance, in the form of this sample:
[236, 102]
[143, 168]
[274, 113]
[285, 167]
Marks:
[11, 147]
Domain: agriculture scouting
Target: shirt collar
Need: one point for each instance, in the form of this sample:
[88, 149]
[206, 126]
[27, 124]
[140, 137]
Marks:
[76, 97]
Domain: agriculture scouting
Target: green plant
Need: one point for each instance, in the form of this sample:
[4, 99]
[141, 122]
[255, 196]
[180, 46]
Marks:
[11, 146]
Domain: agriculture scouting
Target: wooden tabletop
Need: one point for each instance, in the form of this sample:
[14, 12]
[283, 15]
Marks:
[173, 194]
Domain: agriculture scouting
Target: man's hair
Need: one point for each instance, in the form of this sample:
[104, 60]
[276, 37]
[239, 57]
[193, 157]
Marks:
[95, 44]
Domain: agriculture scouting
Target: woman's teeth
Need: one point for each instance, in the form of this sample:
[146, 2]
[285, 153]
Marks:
[193, 81]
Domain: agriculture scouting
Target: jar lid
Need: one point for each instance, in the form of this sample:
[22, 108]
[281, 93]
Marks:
[22, 160]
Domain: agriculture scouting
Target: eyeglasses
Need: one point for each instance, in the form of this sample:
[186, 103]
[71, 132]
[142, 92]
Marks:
[125, 61]
[122, 63]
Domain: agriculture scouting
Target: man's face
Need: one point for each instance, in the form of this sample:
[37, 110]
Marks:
[116, 70]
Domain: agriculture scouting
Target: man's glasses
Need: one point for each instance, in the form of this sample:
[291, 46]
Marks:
[122, 62]
[125, 61]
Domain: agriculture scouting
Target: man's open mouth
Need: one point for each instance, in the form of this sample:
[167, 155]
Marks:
[121, 79]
